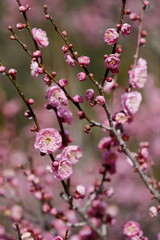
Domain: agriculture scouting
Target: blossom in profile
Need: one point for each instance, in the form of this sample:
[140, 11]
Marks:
[40, 37]
[111, 36]
[72, 153]
[131, 102]
[56, 96]
[70, 60]
[126, 29]
[48, 140]
[138, 75]
[35, 69]
[112, 62]
[65, 114]
[84, 61]
[62, 168]
[131, 229]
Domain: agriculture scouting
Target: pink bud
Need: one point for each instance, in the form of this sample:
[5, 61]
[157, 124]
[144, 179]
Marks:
[63, 82]
[100, 100]
[89, 95]
[84, 61]
[78, 99]
[2, 69]
[81, 76]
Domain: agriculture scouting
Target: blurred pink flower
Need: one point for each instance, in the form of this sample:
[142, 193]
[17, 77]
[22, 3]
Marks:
[62, 169]
[126, 29]
[35, 69]
[131, 102]
[70, 60]
[65, 114]
[138, 75]
[48, 140]
[40, 37]
[112, 62]
[72, 153]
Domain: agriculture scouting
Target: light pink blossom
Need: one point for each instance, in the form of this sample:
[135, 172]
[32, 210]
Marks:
[40, 37]
[84, 60]
[111, 36]
[131, 229]
[104, 143]
[65, 114]
[72, 153]
[70, 60]
[35, 69]
[153, 211]
[138, 75]
[62, 170]
[48, 140]
[81, 191]
[121, 117]
[81, 76]
[56, 96]
[131, 102]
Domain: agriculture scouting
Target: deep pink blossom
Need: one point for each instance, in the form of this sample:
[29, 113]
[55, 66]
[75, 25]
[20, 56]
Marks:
[35, 69]
[78, 99]
[65, 114]
[111, 36]
[89, 95]
[84, 60]
[40, 37]
[131, 229]
[70, 60]
[126, 29]
[131, 102]
[81, 76]
[72, 153]
[112, 62]
[48, 140]
[104, 143]
[138, 75]
[56, 96]
[63, 169]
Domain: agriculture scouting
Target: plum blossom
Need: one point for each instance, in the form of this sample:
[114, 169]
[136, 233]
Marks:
[72, 153]
[48, 140]
[153, 211]
[62, 169]
[84, 60]
[131, 229]
[81, 76]
[111, 36]
[70, 60]
[112, 62]
[56, 96]
[126, 29]
[131, 102]
[65, 114]
[40, 37]
[138, 75]
[89, 94]
[35, 69]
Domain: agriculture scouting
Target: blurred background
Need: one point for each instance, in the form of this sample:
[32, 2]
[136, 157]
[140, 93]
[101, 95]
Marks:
[85, 22]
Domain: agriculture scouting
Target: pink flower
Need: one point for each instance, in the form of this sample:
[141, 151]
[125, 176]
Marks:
[131, 102]
[56, 96]
[112, 62]
[110, 158]
[69, 59]
[81, 191]
[35, 69]
[48, 140]
[62, 169]
[84, 60]
[131, 229]
[126, 29]
[78, 99]
[111, 36]
[65, 114]
[121, 117]
[40, 37]
[104, 143]
[138, 75]
[72, 153]
[153, 211]
[16, 212]
[100, 100]
[81, 76]
[89, 95]
[57, 238]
